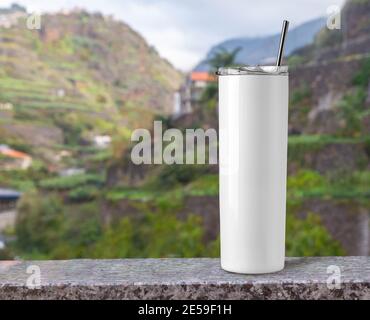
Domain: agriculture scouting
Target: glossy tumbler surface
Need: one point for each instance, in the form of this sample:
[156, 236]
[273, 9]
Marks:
[253, 123]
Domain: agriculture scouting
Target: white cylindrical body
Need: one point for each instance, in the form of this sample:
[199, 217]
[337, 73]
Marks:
[253, 123]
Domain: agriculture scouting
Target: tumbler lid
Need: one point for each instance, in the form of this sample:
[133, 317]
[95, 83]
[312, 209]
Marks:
[253, 70]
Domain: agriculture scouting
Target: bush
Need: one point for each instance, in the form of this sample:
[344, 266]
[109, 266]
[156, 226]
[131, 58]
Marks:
[40, 222]
[309, 238]
[304, 180]
[295, 61]
[350, 108]
[362, 78]
[157, 234]
[300, 95]
[204, 186]
[173, 175]
[84, 193]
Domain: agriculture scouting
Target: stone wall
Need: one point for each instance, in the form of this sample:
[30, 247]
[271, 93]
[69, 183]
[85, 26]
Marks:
[142, 279]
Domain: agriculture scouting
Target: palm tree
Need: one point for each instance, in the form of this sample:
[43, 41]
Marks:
[223, 58]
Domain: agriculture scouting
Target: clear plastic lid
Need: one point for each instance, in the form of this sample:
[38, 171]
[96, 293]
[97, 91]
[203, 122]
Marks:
[253, 70]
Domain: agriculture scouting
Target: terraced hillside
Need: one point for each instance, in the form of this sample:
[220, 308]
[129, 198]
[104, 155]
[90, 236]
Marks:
[118, 210]
[80, 76]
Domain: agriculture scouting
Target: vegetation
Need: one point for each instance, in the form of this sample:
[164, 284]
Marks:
[362, 78]
[70, 182]
[45, 228]
[223, 58]
[309, 238]
[79, 93]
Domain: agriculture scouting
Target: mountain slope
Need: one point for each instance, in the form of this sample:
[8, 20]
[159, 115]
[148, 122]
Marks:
[80, 75]
[264, 49]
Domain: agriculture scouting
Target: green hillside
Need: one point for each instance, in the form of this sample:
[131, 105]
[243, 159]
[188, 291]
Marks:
[80, 75]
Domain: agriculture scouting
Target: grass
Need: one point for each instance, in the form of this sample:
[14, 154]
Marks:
[310, 184]
[322, 140]
[300, 145]
[206, 185]
[305, 184]
[12, 83]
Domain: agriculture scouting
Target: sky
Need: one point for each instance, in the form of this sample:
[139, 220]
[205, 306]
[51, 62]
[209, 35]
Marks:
[183, 31]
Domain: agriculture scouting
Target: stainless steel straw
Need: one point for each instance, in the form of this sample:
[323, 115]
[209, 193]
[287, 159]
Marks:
[284, 32]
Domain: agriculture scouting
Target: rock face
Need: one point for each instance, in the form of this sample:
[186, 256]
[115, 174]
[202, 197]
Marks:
[325, 82]
[355, 15]
[328, 70]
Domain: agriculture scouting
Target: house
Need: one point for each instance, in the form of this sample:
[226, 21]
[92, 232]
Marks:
[8, 199]
[102, 142]
[72, 172]
[6, 110]
[191, 91]
[11, 159]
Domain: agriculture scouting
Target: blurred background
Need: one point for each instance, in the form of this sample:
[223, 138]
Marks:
[76, 81]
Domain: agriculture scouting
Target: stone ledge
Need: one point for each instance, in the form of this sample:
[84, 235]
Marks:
[302, 278]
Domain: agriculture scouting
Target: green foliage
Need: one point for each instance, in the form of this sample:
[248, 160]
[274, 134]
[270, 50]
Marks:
[206, 185]
[82, 230]
[344, 185]
[223, 58]
[118, 194]
[302, 181]
[173, 175]
[17, 144]
[64, 221]
[6, 254]
[362, 78]
[84, 193]
[73, 127]
[157, 234]
[40, 222]
[294, 61]
[45, 230]
[70, 182]
[210, 93]
[299, 95]
[309, 238]
[350, 108]
[23, 180]
[301, 145]
[328, 38]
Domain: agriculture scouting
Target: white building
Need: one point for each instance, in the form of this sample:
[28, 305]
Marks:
[102, 142]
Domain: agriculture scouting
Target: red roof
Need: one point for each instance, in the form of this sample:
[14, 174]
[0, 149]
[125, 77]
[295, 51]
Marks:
[14, 154]
[202, 76]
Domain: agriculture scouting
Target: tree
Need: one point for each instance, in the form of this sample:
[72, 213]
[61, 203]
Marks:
[223, 58]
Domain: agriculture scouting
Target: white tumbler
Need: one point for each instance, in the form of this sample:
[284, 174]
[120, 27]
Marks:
[253, 134]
